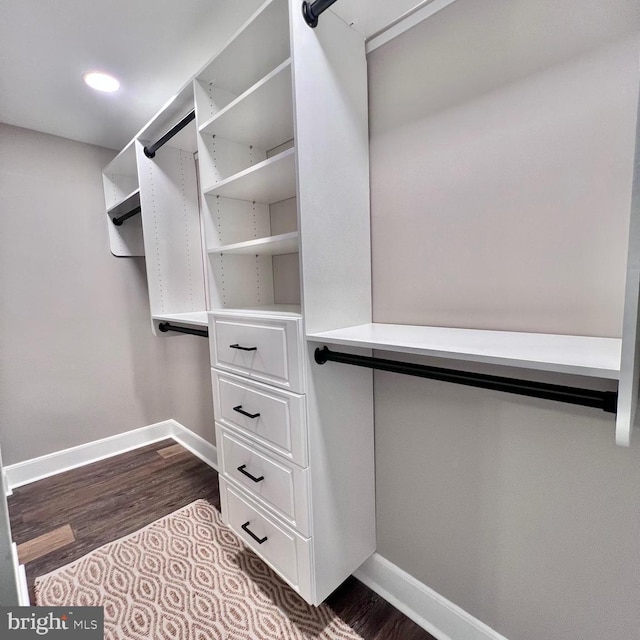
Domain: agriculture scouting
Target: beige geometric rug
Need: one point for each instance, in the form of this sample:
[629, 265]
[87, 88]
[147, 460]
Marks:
[188, 577]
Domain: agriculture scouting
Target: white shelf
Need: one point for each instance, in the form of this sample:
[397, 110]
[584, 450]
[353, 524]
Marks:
[293, 310]
[269, 181]
[262, 116]
[124, 205]
[579, 355]
[194, 318]
[270, 246]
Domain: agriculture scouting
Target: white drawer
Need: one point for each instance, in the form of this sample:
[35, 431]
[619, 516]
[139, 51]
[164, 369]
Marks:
[266, 349]
[279, 486]
[276, 418]
[287, 552]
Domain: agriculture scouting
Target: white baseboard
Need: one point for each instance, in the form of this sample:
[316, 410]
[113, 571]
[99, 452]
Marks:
[434, 613]
[196, 444]
[21, 578]
[29, 471]
[5, 484]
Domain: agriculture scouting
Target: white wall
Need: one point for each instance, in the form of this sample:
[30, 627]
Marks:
[79, 361]
[501, 155]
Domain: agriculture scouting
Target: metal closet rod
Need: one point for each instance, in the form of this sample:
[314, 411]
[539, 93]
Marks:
[150, 151]
[126, 216]
[167, 326]
[311, 11]
[605, 400]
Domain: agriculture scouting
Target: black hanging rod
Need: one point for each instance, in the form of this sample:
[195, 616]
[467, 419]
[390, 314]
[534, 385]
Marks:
[125, 216]
[605, 400]
[311, 11]
[167, 326]
[150, 151]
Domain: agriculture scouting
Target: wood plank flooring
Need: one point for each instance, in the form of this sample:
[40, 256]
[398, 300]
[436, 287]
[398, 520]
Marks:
[45, 544]
[59, 519]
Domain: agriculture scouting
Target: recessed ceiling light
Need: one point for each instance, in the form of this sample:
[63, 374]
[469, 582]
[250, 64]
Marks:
[101, 81]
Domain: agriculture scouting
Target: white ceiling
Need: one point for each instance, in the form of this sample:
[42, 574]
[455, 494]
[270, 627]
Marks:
[152, 46]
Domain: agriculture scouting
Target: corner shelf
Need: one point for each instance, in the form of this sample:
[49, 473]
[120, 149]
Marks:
[577, 355]
[269, 181]
[262, 116]
[269, 246]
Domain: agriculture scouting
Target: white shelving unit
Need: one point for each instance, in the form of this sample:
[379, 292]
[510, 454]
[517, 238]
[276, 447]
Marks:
[122, 194]
[275, 255]
[244, 109]
[165, 188]
[171, 218]
[261, 203]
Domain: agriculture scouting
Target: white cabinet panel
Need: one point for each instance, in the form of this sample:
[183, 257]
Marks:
[281, 486]
[286, 551]
[264, 349]
[279, 422]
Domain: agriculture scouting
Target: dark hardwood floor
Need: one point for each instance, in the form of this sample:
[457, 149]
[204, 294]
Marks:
[59, 519]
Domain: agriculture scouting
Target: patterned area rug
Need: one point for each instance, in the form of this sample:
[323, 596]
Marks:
[188, 577]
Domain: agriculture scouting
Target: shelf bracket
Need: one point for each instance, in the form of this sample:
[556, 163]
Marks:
[312, 10]
[118, 221]
[167, 326]
[150, 151]
[605, 400]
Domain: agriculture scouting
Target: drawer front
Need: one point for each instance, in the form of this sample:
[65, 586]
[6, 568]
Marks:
[281, 487]
[283, 549]
[264, 349]
[276, 418]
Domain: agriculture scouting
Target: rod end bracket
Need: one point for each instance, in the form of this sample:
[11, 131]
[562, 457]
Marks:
[321, 355]
[149, 154]
[310, 18]
[164, 327]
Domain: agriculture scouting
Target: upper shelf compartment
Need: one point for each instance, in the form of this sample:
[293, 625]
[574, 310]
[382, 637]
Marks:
[120, 178]
[578, 355]
[254, 51]
[262, 116]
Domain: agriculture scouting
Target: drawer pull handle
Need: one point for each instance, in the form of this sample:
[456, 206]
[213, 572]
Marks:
[245, 527]
[242, 468]
[244, 413]
[237, 346]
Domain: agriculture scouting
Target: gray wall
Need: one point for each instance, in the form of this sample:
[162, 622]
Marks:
[78, 360]
[502, 153]
[501, 150]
